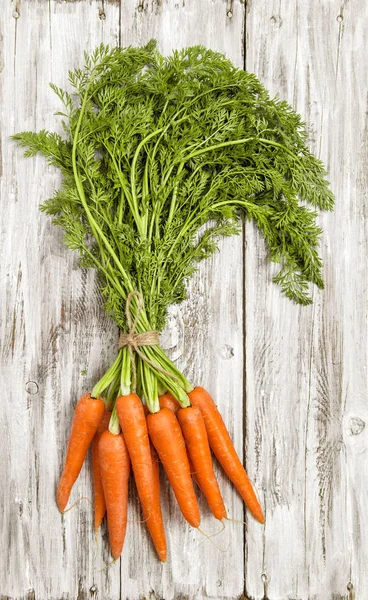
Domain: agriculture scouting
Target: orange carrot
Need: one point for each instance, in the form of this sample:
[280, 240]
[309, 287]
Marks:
[223, 448]
[115, 469]
[99, 499]
[152, 515]
[168, 401]
[193, 472]
[154, 521]
[134, 427]
[166, 436]
[87, 417]
[195, 435]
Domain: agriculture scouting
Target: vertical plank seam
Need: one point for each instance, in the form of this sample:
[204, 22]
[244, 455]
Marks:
[119, 26]
[50, 32]
[339, 40]
[244, 403]
[120, 44]
[15, 39]
[306, 433]
[296, 51]
[244, 407]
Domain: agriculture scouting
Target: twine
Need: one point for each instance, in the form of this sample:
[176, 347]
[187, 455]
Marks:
[133, 340]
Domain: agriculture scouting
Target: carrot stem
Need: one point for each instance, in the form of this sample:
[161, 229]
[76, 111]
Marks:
[114, 425]
[112, 393]
[161, 389]
[149, 386]
[107, 379]
[125, 377]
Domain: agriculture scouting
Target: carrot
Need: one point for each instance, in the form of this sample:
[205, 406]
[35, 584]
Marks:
[193, 472]
[168, 401]
[87, 417]
[99, 499]
[166, 436]
[154, 521]
[134, 427]
[115, 470]
[195, 435]
[223, 448]
[153, 514]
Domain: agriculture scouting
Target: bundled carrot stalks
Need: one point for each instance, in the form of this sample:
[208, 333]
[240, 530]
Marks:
[155, 149]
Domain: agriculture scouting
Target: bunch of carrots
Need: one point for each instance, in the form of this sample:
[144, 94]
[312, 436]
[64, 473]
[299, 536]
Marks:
[159, 157]
[130, 437]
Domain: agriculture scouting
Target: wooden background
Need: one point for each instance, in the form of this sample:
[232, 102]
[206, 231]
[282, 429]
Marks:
[291, 382]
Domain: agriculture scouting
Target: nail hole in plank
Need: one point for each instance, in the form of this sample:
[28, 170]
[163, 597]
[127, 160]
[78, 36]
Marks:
[31, 387]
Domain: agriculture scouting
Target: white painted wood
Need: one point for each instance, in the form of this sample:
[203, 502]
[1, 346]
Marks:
[51, 318]
[307, 367]
[306, 435]
[204, 337]
[54, 329]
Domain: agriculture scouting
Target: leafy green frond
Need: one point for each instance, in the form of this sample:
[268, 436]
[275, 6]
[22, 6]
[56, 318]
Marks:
[169, 153]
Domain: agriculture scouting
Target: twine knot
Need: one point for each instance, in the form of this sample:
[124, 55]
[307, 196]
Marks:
[148, 338]
[133, 341]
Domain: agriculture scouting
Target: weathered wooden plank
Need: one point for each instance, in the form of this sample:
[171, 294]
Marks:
[350, 168]
[204, 336]
[306, 368]
[52, 323]
[306, 435]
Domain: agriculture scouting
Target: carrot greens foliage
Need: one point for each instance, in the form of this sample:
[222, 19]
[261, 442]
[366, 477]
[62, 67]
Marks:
[157, 147]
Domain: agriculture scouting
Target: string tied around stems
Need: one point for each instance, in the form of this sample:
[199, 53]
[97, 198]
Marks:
[133, 341]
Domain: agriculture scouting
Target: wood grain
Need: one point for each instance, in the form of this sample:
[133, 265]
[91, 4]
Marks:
[51, 318]
[301, 423]
[204, 336]
[306, 367]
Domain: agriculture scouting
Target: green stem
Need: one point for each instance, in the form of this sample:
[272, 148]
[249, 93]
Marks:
[216, 146]
[162, 131]
[125, 377]
[133, 205]
[112, 393]
[138, 386]
[175, 121]
[120, 210]
[241, 141]
[113, 282]
[96, 230]
[133, 174]
[173, 199]
[114, 425]
[161, 389]
[175, 389]
[158, 357]
[108, 378]
[227, 202]
[149, 386]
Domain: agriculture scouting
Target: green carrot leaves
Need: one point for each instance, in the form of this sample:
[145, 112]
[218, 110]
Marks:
[162, 155]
